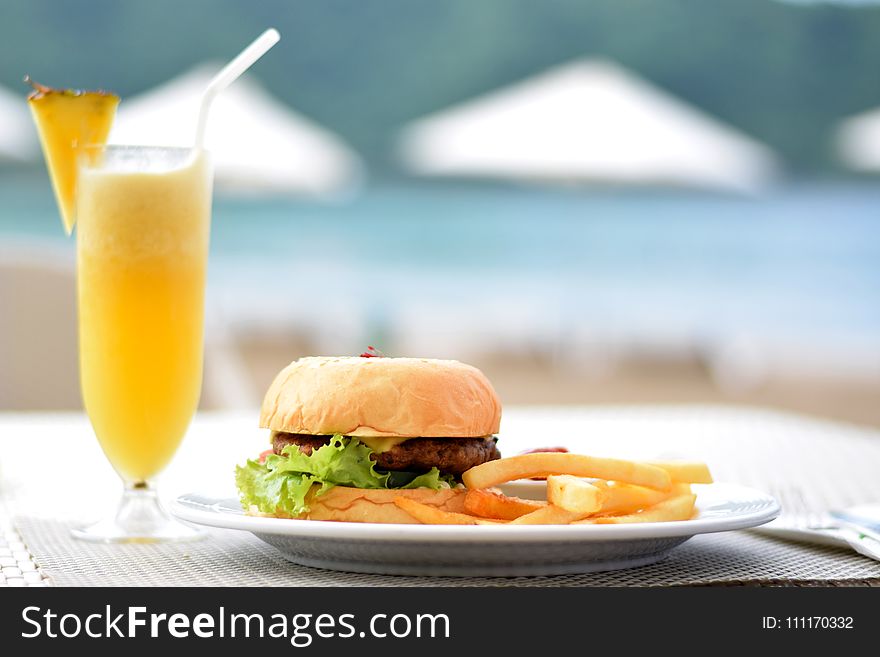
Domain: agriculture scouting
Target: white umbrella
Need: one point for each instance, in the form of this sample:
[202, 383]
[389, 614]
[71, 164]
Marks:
[586, 121]
[858, 141]
[257, 142]
[17, 135]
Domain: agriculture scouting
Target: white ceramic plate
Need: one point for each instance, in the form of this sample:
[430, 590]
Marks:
[484, 549]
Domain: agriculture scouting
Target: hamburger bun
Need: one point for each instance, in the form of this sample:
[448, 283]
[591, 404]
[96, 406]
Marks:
[345, 504]
[396, 397]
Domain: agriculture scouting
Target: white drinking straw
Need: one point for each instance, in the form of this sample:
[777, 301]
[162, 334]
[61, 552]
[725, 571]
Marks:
[229, 74]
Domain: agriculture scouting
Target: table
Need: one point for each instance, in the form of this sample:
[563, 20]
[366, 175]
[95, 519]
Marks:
[54, 476]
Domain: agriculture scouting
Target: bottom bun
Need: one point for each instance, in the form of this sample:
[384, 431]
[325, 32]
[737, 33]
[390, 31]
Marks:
[345, 504]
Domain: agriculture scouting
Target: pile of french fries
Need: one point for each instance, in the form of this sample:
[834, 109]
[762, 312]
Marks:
[580, 490]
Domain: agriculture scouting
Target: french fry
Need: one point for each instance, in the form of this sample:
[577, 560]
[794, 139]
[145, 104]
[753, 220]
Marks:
[691, 472]
[574, 494]
[548, 515]
[491, 504]
[618, 492]
[623, 498]
[679, 507]
[431, 515]
[542, 464]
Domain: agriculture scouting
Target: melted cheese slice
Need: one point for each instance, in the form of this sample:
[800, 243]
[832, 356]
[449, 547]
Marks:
[380, 444]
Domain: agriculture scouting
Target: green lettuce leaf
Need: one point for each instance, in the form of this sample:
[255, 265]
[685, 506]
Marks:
[282, 481]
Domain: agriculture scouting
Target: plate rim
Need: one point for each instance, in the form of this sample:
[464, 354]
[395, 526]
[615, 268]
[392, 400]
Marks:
[183, 508]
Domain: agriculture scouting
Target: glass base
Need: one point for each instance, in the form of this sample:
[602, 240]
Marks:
[140, 518]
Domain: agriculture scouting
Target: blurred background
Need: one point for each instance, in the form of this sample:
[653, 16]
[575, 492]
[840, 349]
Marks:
[603, 201]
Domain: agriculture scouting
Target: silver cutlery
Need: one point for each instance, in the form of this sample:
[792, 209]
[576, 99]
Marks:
[854, 527]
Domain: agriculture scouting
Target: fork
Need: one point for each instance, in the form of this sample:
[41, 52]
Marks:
[800, 521]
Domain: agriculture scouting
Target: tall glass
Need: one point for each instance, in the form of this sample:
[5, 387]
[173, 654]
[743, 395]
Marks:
[143, 221]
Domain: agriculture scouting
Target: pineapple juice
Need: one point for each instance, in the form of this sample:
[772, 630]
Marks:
[142, 246]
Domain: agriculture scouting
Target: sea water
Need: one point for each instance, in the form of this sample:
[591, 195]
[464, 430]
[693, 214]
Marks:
[488, 266]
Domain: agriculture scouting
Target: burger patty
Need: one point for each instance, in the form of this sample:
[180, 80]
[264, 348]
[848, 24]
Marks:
[449, 455]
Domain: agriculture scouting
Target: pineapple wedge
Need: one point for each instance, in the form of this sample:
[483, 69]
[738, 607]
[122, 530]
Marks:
[67, 119]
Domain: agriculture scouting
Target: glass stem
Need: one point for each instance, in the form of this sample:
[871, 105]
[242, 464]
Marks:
[139, 507]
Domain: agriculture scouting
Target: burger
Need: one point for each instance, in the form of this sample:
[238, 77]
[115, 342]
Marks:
[351, 434]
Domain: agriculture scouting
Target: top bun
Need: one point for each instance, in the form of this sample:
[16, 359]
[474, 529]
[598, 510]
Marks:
[401, 397]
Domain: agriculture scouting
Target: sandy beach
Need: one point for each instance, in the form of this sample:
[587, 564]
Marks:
[40, 365]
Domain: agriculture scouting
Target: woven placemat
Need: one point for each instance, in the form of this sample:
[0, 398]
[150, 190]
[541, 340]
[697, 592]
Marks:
[232, 558]
[823, 465]
[17, 564]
